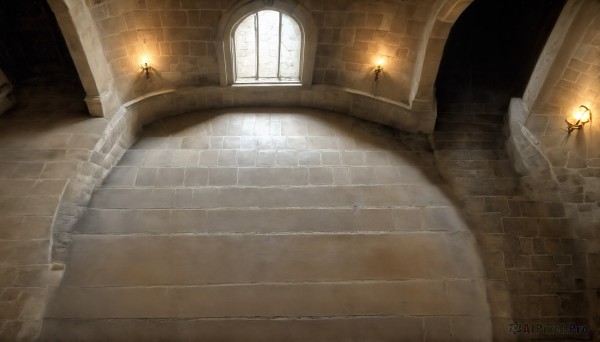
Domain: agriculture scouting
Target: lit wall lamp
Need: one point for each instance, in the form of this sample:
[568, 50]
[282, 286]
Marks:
[582, 116]
[378, 69]
[146, 66]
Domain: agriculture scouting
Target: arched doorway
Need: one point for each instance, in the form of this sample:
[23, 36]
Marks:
[492, 49]
[35, 58]
[31, 44]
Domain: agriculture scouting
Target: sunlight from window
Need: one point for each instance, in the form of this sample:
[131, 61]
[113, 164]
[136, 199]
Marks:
[268, 48]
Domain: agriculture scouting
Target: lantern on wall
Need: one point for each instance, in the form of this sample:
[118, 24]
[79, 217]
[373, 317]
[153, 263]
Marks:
[582, 116]
[379, 67]
[145, 66]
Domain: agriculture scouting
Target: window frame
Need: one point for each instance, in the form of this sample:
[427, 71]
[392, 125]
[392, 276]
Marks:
[244, 8]
[267, 80]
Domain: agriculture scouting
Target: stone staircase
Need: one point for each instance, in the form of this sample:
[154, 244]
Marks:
[526, 249]
[343, 232]
[470, 145]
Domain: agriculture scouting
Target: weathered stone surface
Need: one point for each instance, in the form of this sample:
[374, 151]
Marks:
[380, 328]
[234, 238]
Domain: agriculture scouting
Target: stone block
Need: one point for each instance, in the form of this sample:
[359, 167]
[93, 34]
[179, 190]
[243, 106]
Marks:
[99, 221]
[341, 176]
[373, 158]
[146, 176]
[121, 177]
[24, 252]
[320, 176]
[310, 158]
[384, 329]
[222, 176]
[405, 255]
[60, 170]
[543, 263]
[133, 158]
[462, 328]
[362, 175]
[428, 195]
[169, 177]
[158, 158]
[25, 228]
[538, 209]
[29, 206]
[520, 226]
[187, 34]
[173, 18]
[387, 175]
[322, 143]
[442, 218]
[352, 158]
[467, 297]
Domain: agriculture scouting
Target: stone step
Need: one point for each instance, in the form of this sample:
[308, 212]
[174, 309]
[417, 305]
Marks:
[467, 136]
[492, 168]
[172, 221]
[486, 186]
[270, 197]
[474, 107]
[148, 260]
[484, 145]
[466, 155]
[316, 329]
[449, 297]
[467, 127]
[193, 177]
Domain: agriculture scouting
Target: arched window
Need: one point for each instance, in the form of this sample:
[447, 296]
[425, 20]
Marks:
[268, 48]
[267, 42]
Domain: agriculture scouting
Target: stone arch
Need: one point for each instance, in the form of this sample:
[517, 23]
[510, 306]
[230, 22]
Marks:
[80, 33]
[422, 97]
[244, 7]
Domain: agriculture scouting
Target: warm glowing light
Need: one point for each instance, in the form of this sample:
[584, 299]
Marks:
[379, 61]
[146, 66]
[582, 114]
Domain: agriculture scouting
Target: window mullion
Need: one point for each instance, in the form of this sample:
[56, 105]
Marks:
[257, 43]
[279, 51]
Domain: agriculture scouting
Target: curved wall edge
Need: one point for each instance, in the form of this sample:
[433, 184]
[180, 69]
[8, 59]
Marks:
[126, 123]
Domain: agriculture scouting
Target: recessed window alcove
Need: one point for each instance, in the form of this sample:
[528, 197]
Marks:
[267, 48]
[262, 43]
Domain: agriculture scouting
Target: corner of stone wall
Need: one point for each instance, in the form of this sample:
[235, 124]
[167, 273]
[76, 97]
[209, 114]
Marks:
[537, 180]
[578, 235]
[96, 165]
[7, 99]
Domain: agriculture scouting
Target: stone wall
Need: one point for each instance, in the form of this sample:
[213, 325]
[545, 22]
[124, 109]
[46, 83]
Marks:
[7, 99]
[180, 39]
[565, 168]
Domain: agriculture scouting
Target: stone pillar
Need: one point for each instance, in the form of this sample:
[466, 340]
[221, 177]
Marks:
[82, 38]
[7, 99]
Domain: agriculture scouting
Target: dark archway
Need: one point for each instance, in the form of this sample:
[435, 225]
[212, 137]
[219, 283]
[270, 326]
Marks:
[31, 44]
[493, 48]
[35, 57]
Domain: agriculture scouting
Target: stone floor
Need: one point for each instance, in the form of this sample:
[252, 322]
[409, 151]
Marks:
[248, 225]
[43, 143]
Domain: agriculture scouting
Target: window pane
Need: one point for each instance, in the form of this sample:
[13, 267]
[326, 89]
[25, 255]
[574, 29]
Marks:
[268, 47]
[291, 45]
[245, 48]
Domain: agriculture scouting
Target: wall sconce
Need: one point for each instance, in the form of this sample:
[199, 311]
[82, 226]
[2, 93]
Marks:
[378, 69]
[146, 66]
[582, 116]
